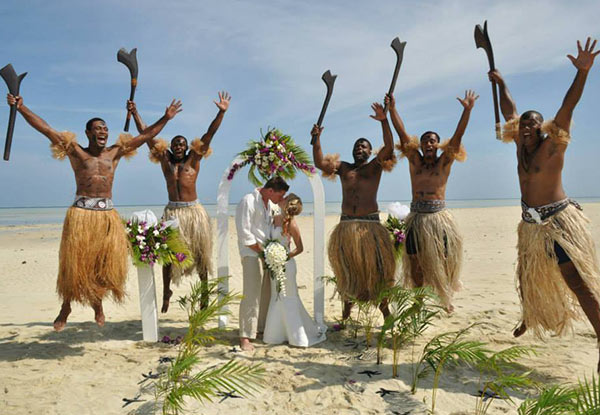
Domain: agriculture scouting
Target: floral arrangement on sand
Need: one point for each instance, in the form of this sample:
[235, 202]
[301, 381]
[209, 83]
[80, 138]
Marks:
[275, 154]
[156, 242]
[396, 226]
[276, 255]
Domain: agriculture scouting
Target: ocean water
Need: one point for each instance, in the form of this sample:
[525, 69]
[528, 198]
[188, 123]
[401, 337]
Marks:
[10, 217]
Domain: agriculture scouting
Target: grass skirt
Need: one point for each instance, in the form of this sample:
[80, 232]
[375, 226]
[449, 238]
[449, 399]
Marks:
[93, 256]
[547, 302]
[361, 254]
[196, 232]
[439, 248]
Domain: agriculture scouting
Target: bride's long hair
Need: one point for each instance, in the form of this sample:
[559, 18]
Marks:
[293, 207]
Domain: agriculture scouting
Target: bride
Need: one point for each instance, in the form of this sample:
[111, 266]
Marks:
[287, 319]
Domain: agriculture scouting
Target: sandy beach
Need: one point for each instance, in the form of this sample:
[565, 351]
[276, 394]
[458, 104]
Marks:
[88, 370]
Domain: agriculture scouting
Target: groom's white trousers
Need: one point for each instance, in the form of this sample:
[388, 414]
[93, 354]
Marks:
[255, 303]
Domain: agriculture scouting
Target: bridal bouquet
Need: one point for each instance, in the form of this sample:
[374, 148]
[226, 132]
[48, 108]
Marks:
[276, 256]
[275, 154]
[152, 241]
[396, 226]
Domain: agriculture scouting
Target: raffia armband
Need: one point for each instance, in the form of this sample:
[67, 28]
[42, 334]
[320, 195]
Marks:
[329, 163]
[123, 142]
[459, 154]
[197, 147]
[65, 146]
[410, 147]
[388, 164]
[556, 134]
[158, 150]
[510, 131]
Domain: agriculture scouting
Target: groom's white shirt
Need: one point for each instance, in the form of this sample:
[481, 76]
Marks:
[253, 221]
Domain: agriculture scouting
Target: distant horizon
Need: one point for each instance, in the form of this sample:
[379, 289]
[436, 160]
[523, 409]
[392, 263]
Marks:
[311, 202]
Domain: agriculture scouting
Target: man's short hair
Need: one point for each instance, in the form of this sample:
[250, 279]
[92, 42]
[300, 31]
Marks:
[528, 115]
[365, 140]
[179, 136]
[277, 184]
[88, 125]
[437, 136]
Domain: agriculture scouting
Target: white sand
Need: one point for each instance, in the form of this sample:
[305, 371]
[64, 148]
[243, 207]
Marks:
[85, 369]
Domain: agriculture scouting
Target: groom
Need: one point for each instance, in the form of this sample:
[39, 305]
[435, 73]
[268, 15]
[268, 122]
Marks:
[252, 220]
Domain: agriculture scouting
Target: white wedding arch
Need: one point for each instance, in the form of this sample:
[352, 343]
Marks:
[318, 247]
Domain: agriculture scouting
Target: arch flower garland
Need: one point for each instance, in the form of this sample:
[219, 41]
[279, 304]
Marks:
[275, 154]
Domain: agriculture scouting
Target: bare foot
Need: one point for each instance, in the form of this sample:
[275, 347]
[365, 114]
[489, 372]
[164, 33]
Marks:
[166, 298]
[450, 309]
[61, 320]
[99, 314]
[245, 344]
[519, 331]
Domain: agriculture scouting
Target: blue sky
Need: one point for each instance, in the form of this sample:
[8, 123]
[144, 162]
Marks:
[270, 57]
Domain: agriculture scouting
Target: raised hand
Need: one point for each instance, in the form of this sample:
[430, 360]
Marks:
[585, 57]
[495, 76]
[469, 100]
[173, 109]
[316, 131]
[12, 100]
[224, 99]
[379, 112]
[389, 101]
[131, 107]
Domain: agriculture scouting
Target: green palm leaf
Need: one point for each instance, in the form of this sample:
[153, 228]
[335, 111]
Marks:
[588, 397]
[553, 400]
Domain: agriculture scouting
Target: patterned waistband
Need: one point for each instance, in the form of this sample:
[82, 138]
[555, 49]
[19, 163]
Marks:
[541, 213]
[371, 217]
[93, 203]
[176, 205]
[427, 206]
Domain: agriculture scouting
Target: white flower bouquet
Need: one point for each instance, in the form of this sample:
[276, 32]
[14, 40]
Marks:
[276, 255]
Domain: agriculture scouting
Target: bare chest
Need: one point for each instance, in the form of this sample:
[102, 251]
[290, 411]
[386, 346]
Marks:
[180, 171]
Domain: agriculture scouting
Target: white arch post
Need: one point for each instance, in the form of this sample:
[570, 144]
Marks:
[318, 247]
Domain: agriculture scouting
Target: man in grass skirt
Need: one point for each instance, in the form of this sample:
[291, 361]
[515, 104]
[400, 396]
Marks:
[360, 249]
[94, 247]
[557, 266]
[180, 168]
[433, 244]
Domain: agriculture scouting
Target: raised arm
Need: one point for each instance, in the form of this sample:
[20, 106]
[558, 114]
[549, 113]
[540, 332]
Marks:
[223, 106]
[583, 63]
[34, 120]
[388, 140]
[411, 155]
[507, 104]
[139, 123]
[150, 132]
[468, 102]
[327, 168]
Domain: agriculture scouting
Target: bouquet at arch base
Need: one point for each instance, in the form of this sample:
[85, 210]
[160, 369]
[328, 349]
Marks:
[396, 226]
[156, 242]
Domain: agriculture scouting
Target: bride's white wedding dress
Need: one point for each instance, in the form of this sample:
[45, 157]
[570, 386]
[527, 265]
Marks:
[287, 319]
